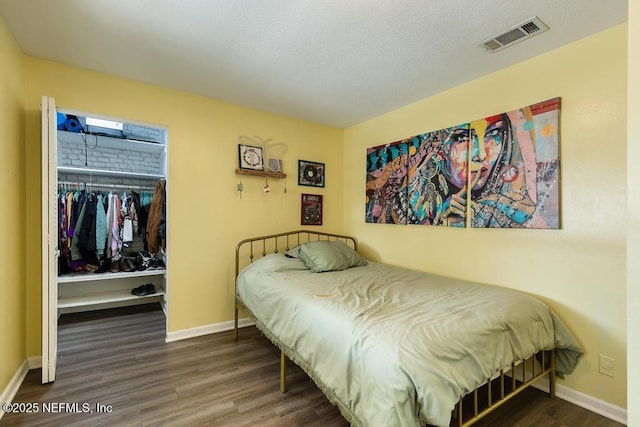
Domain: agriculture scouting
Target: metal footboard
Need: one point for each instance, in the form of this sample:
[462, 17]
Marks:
[505, 385]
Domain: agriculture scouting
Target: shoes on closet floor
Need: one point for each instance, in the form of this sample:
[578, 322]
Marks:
[142, 290]
[156, 264]
[115, 267]
[126, 264]
[143, 258]
[91, 268]
[105, 265]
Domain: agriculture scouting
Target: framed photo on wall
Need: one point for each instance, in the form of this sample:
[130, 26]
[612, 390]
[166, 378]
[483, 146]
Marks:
[251, 157]
[310, 173]
[311, 212]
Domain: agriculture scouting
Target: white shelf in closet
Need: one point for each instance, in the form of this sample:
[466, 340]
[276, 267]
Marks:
[91, 277]
[101, 172]
[96, 298]
[110, 142]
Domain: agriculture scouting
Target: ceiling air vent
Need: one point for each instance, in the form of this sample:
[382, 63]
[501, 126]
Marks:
[515, 34]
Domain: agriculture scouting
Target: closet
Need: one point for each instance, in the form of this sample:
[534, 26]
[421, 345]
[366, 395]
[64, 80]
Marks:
[105, 221]
[107, 167]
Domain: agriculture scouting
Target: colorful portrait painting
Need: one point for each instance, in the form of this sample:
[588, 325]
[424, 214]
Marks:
[386, 193]
[501, 171]
[438, 177]
[514, 168]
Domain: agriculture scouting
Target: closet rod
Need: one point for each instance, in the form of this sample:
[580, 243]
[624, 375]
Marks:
[125, 186]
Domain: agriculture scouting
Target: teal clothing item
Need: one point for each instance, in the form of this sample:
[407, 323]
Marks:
[101, 226]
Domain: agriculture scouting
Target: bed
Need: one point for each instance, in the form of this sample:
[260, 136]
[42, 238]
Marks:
[393, 346]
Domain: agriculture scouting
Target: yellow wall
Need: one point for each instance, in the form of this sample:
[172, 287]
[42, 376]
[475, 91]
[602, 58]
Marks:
[583, 265]
[206, 216]
[633, 233]
[578, 270]
[12, 225]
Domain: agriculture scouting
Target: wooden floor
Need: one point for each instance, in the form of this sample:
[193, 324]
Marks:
[118, 359]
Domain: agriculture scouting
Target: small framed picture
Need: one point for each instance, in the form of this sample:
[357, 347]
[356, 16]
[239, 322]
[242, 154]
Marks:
[250, 157]
[310, 173]
[311, 213]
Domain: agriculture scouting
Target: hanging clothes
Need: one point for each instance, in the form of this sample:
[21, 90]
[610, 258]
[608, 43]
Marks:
[101, 226]
[116, 243]
[87, 233]
[109, 225]
[63, 259]
[96, 230]
[126, 234]
[76, 255]
[156, 228]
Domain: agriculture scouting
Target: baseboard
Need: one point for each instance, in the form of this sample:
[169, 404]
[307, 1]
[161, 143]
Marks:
[35, 362]
[14, 385]
[585, 401]
[207, 329]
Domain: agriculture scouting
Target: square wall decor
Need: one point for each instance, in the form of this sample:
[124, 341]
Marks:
[310, 173]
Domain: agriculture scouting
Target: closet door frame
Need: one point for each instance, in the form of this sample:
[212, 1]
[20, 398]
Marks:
[49, 232]
[49, 245]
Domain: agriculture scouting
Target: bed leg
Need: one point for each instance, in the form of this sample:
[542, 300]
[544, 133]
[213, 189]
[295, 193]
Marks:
[552, 375]
[235, 325]
[283, 372]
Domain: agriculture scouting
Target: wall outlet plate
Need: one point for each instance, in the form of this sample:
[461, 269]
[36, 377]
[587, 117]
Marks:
[607, 365]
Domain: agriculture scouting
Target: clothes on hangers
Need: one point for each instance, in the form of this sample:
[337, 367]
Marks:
[156, 224]
[96, 227]
[101, 226]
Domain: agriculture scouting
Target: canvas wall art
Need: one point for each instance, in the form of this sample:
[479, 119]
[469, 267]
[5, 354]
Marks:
[509, 162]
[386, 193]
[437, 180]
[514, 168]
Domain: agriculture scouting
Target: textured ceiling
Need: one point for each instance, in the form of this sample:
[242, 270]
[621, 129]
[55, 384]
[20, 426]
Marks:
[333, 62]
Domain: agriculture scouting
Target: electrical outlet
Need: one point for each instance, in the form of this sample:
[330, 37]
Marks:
[607, 366]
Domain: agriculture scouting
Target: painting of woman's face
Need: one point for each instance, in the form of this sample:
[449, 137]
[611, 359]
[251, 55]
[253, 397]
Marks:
[455, 150]
[486, 145]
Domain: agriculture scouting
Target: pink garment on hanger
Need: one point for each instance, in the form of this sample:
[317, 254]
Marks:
[109, 224]
[116, 244]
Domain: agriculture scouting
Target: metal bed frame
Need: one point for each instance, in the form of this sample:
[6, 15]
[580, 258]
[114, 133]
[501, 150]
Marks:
[497, 390]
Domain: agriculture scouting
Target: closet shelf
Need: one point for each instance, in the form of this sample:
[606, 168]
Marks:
[101, 172]
[278, 175]
[90, 277]
[104, 298]
[110, 142]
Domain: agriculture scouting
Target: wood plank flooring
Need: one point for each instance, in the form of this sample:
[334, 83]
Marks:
[118, 359]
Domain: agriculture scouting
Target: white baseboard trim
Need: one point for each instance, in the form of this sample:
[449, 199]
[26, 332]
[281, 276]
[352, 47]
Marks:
[14, 385]
[35, 362]
[207, 329]
[585, 401]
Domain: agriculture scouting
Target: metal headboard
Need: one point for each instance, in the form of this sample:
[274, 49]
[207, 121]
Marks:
[260, 246]
[274, 243]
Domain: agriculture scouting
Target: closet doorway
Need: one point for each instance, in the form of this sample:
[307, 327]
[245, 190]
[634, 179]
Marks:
[104, 218]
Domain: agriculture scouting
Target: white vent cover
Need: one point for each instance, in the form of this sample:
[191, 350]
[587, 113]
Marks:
[515, 34]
